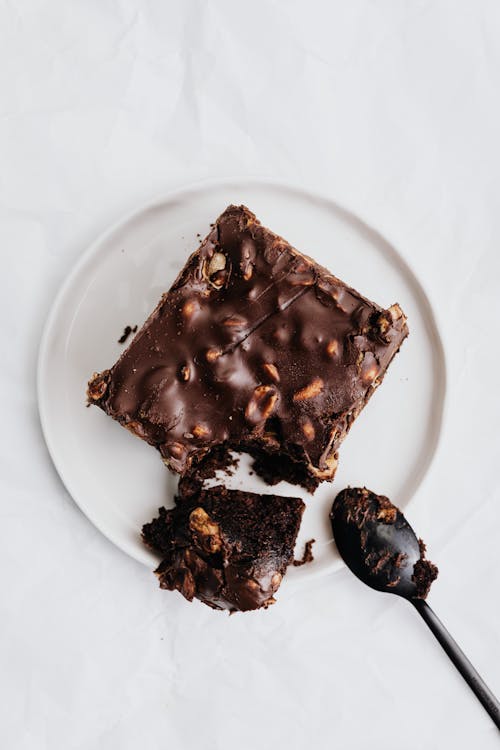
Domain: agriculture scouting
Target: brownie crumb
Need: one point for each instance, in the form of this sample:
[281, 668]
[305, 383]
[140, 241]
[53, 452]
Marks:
[277, 467]
[126, 333]
[221, 458]
[424, 573]
[307, 555]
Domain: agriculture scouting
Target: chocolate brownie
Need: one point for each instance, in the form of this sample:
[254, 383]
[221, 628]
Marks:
[256, 348]
[230, 549]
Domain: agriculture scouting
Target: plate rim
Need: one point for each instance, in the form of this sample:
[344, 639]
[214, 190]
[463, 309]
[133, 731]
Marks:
[181, 192]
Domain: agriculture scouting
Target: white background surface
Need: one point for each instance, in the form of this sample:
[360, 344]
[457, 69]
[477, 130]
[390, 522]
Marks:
[391, 108]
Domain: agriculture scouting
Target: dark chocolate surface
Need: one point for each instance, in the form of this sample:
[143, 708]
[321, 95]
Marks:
[228, 548]
[256, 347]
[370, 532]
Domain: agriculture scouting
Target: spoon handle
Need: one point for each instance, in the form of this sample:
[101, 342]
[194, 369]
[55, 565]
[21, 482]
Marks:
[459, 659]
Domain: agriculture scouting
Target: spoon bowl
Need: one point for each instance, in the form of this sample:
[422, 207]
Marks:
[376, 542]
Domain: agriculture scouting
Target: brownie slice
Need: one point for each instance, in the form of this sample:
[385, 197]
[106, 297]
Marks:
[256, 348]
[230, 549]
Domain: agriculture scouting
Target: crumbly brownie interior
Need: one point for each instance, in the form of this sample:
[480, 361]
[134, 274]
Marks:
[424, 573]
[255, 348]
[230, 549]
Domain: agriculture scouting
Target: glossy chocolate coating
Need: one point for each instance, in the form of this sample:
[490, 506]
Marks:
[230, 549]
[254, 346]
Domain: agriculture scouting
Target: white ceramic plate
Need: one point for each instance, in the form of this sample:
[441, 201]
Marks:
[117, 480]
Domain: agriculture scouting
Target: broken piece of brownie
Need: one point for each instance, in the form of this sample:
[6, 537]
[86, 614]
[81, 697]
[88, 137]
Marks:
[256, 348]
[230, 549]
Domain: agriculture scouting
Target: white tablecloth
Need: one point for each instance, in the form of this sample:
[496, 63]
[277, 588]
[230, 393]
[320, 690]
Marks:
[390, 108]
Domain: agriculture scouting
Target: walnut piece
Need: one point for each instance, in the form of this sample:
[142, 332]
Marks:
[311, 390]
[206, 531]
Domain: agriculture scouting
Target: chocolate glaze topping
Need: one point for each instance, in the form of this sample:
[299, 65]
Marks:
[255, 347]
[230, 549]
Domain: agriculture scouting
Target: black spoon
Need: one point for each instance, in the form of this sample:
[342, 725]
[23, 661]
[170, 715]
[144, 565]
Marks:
[380, 547]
